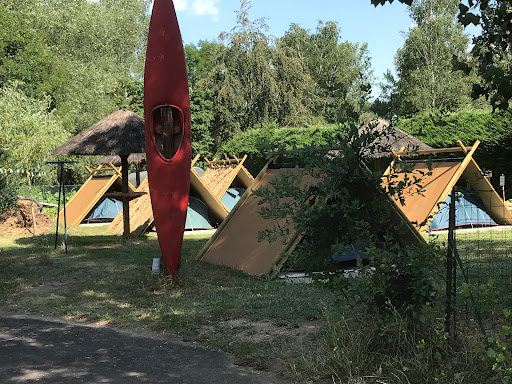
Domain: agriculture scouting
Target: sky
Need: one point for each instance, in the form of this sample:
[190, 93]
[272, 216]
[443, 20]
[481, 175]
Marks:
[383, 28]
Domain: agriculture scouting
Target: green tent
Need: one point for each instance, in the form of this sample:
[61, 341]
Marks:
[197, 215]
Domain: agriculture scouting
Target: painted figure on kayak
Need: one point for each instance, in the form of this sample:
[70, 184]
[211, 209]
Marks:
[168, 135]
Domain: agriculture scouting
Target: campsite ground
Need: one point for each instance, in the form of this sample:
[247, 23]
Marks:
[265, 324]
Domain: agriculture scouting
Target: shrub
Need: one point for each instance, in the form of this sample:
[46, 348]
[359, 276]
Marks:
[8, 194]
[256, 143]
[492, 129]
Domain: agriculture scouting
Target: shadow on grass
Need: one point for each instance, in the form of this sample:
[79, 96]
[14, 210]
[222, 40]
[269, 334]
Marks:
[101, 281]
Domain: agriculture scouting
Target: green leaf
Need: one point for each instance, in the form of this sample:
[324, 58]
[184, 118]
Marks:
[491, 353]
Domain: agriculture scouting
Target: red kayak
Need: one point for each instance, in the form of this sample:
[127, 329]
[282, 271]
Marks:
[167, 124]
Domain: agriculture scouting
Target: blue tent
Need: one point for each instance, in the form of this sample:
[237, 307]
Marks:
[231, 197]
[197, 215]
[105, 210]
[469, 212]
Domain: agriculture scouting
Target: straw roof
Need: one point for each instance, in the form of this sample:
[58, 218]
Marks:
[134, 158]
[120, 133]
[392, 137]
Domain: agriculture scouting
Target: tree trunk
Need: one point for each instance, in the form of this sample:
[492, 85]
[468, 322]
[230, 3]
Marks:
[31, 204]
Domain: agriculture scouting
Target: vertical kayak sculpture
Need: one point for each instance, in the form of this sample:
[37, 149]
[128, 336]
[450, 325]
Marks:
[167, 125]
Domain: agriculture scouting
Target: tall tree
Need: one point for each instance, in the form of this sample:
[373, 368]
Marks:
[26, 59]
[28, 130]
[98, 45]
[427, 79]
[200, 60]
[340, 71]
[491, 49]
[242, 86]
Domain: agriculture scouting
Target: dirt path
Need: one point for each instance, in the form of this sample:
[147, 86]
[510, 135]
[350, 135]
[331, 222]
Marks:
[51, 351]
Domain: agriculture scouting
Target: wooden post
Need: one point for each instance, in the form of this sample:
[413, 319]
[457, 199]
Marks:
[137, 174]
[31, 204]
[126, 202]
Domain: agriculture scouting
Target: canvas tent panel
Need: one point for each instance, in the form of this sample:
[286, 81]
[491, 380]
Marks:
[493, 203]
[231, 197]
[197, 215]
[236, 246]
[105, 209]
[469, 211]
[244, 178]
[418, 206]
[86, 198]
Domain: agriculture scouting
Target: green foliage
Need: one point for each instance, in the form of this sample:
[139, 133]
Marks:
[241, 85]
[300, 79]
[492, 129]
[491, 48]
[96, 46]
[256, 143]
[25, 57]
[496, 349]
[427, 79]
[338, 94]
[28, 132]
[443, 130]
[341, 208]
[8, 193]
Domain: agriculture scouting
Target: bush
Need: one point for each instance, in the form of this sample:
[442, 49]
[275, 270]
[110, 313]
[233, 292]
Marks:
[8, 194]
[256, 143]
[344, 210]
[492, 129]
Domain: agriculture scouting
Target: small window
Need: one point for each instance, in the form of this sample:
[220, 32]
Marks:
[167, 130]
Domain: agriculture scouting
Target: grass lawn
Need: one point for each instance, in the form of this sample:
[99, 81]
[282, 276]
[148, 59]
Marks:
[264, 323]
[486, 255]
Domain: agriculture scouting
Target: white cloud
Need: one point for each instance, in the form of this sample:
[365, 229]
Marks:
[180, 5]
[194, 7]
[205, 7]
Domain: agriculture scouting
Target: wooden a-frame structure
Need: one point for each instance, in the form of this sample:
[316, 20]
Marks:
[436, 178]
[100, 182]
[209, 187]
[235, 243]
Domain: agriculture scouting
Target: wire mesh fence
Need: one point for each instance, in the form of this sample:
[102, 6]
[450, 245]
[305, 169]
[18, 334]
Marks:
[482, 257]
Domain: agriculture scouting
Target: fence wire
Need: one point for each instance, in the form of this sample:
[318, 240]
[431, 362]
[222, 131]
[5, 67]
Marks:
[483, 241]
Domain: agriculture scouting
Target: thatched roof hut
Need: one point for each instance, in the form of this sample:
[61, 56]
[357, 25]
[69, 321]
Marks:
[390, 137]
[120, 133]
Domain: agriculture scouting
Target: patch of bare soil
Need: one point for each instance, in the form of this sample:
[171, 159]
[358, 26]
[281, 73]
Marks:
[294, 342]
[262, 331]
[18, 220]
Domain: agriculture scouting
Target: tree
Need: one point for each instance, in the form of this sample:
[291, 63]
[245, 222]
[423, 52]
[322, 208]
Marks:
[340, 71]
[491, 49]
[28, 132]
[26, 59]
[241, 85]
[200, 60]
[98, 45]
[342, 210]
[427, 79]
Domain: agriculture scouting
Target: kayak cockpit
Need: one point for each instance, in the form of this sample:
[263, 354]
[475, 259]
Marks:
[167, 129]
